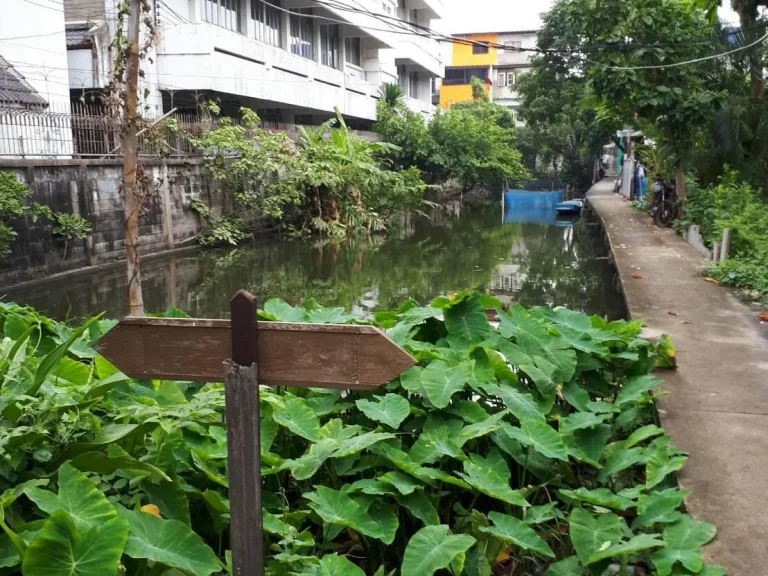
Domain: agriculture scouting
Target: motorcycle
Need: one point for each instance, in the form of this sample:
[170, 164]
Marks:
[664, 205]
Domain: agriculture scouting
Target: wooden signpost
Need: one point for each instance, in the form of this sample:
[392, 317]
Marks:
[245, 353]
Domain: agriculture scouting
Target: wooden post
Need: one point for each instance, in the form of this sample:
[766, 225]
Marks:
[130, 164]
[243, 440]
[726, 247]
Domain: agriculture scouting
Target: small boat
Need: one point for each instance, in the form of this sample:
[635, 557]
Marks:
[569, 207]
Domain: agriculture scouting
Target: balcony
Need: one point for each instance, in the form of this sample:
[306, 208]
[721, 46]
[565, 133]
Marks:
[426, 109]
[421, 52]
[200, 57]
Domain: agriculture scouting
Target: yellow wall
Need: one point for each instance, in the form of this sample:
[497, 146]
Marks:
[451, 94]
[463, 56]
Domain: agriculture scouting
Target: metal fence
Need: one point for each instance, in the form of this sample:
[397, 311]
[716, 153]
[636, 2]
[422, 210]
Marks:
[88, 131]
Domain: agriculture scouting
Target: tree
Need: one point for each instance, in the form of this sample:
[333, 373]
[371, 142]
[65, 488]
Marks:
[627, 57]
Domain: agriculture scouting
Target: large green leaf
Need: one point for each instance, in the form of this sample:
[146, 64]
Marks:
[53, 358]
[383, 515]
[581, 420]
[661, 464]
[635, 388]
[620, 460]
[631, 547]
[359, 443]
[540, 436]
[516, 532]
[520, 404]
[465, 320]
[333, 565]
[295, 415]
[404, 484]
[441, 382]
[60, 549]
[491, 476]
[482, 428]
[684, 539]
[591, 535]
[329, 316]
[391, 409]
[105, 464]
[660, 507]
[168, 542]
[307, 465]
[642, 434]
[170, 498]
[419, 506]
[338, 508]
[568, 567]
[599, 497]
[588, 444]
[433, 548]
[86, 504]
[281, 311]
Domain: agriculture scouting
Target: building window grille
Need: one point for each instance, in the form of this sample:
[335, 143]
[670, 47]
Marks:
[224, 13]
[301, 33]
[266, 21]
[329, 45]
[480, 48]
[352, 51]
[462, 76]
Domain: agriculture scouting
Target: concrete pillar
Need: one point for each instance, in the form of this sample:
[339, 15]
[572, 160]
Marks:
[316, 56]
[245, 16]
[726, 245]
[285, 31]
[165, 194]
[195, 13]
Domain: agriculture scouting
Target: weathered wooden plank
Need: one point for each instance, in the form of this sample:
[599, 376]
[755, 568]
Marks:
[319, 355]
[243, 440]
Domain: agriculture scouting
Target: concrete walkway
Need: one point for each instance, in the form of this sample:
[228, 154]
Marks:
[718, 407]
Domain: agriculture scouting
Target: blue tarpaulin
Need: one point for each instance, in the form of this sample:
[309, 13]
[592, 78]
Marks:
[531, 207]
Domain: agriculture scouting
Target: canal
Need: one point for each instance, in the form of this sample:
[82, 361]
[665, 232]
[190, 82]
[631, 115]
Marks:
[457, 247]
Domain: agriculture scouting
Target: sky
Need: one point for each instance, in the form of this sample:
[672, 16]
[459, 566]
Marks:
[466, 16]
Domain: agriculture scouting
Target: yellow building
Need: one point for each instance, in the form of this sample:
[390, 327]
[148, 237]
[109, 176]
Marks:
[475, 58]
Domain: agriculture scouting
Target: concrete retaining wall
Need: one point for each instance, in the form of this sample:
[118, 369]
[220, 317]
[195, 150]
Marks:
[93, 190]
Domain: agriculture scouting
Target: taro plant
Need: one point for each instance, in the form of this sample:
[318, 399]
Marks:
[527, 447]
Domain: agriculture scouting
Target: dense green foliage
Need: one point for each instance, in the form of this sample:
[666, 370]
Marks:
[563, 134]
[331, 183]
[737, 206]
[622, 71]
[472, 143]
[524, 449]
[13, 206]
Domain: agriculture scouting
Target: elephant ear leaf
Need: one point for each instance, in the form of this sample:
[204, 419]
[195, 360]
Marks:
[516, 532]
[591, 535]
[333, 565]
[391, 409]
[433, 548]
[85, 504]
[59, 549]
[168, 542]
[684, 539]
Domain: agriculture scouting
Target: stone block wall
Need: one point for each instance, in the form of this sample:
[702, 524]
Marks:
[93, 190]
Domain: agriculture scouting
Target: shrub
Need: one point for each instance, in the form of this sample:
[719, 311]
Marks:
[529, 449]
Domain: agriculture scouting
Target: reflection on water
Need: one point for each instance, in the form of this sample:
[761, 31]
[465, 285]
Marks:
[458, 248]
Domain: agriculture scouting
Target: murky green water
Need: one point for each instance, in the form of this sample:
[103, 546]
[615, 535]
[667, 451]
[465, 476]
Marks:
[458, 248]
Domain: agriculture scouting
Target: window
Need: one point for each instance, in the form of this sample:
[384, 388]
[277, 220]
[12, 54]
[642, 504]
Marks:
[301, 33]
[409, 82]
[329, 45]
[352, 52]
[224, 13]
[480, 48]
[513, 46]
[461, 76]
[501, 79]
[266, 20]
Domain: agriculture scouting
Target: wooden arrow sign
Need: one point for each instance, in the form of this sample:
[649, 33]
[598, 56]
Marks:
[318, 355]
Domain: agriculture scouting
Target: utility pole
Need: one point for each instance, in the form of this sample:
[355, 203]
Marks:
[131, 190]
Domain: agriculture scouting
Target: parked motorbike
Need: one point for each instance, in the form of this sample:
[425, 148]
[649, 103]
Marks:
[664, 205]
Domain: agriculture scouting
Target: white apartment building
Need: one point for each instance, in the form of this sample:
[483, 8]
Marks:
[291, 60]
[33, 79]
[510, 62]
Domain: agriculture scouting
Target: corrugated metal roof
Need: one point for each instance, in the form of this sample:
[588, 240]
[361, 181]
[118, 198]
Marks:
[15, 90]
[77, 36]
